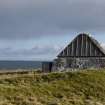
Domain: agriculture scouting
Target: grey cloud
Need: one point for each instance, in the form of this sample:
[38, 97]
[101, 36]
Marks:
[41, 50]
[23, 19]
[37, 51]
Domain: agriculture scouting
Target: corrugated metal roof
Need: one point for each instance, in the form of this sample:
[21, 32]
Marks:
[83, 46]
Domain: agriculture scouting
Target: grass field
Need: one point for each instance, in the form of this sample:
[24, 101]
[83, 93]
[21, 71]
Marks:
[70, 88]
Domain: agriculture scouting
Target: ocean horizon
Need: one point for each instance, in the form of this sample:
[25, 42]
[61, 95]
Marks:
[19, 64]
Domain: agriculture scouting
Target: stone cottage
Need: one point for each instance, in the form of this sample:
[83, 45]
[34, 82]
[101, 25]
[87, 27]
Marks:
[83, 52]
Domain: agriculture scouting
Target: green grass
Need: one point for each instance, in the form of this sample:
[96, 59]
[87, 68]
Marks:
[70, 88]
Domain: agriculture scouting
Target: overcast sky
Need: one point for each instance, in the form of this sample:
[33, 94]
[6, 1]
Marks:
[40, 29]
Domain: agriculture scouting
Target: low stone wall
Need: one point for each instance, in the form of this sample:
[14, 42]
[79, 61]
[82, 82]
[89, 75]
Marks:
[78, 63]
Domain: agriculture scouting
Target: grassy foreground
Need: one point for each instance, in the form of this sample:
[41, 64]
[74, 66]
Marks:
[72, 88]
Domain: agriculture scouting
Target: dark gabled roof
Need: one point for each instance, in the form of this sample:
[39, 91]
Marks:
[83, 46]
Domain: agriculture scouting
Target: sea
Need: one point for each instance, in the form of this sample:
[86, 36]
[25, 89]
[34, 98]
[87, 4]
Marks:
[10, 65]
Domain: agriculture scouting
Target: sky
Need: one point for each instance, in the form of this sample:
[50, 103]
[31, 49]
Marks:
[40, 29]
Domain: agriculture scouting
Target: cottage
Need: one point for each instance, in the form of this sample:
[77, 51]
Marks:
[83, 52]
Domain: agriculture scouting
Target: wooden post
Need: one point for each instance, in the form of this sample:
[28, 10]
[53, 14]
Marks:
[90, 48]
[82, 47]
[86, 47]
[77, 48]
[67, 51]
[72, 50]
